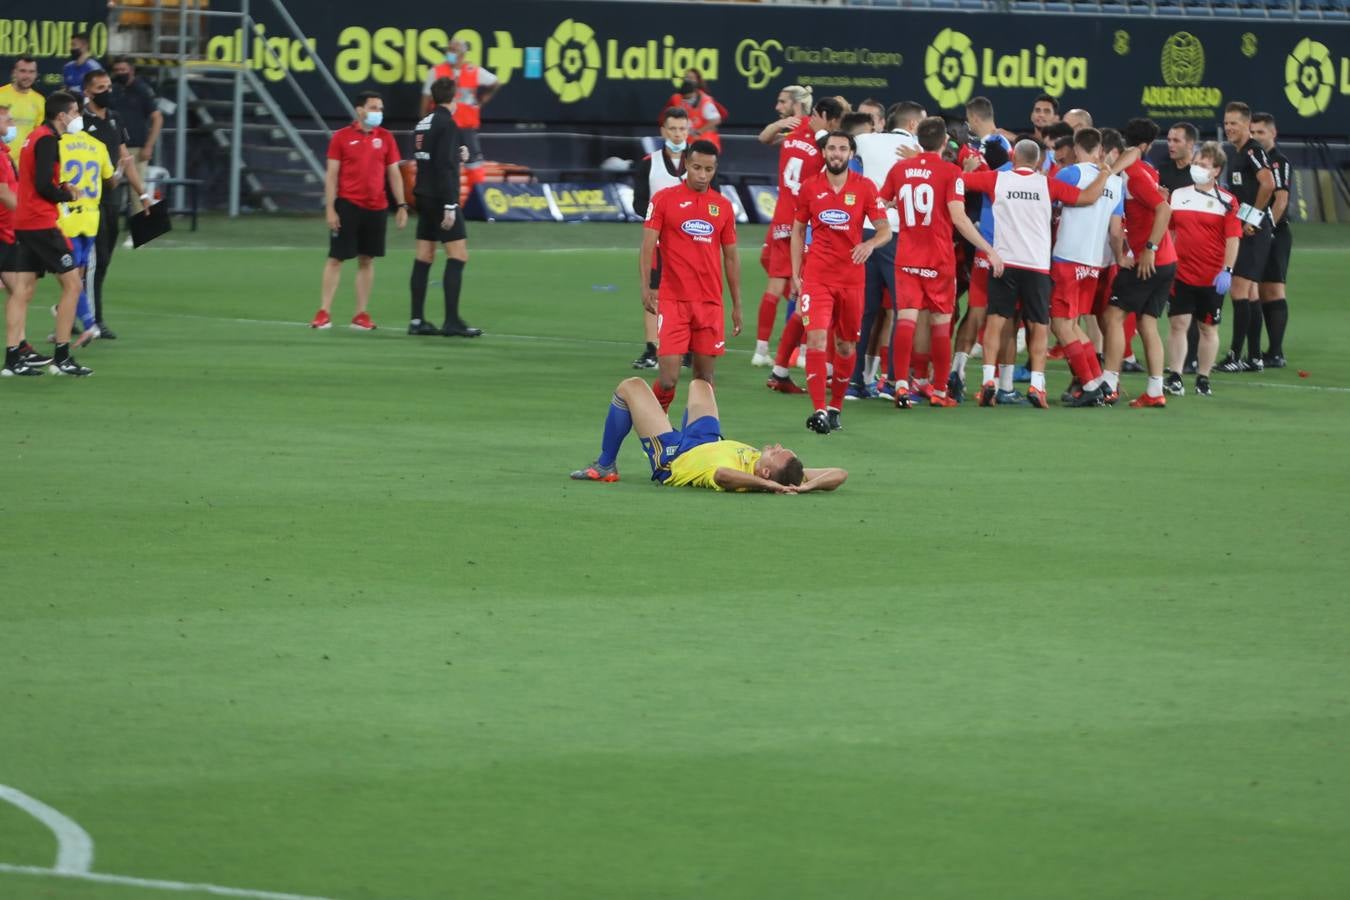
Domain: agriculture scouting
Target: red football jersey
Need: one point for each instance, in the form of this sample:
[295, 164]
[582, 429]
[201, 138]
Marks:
[836, 220]
[799, 161]
[693, 227]
[921, 188]
[35, 212]
[1141, 199]
[363, 158]
[11, 181]
[1203, 222]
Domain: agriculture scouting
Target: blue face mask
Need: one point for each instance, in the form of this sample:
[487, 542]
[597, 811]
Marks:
[676, 148]
[375, 119]
[451, 57]
[10, 134]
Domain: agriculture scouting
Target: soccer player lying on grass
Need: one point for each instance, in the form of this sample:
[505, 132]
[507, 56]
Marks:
[697, 455]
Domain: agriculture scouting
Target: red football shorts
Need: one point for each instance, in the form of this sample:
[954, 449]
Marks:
[684, 327]
[1105, 282]
[1075, 290]
[832, 307]
[777, 255]
[979, 281]
[929, 289]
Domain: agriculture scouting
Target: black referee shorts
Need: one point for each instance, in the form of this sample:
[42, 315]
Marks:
[1253, 253]
[1031, 288]
[430, 214]
[360, 231]
[1143, 296]
[1205, 303]
[41, 252]
[1277, 263]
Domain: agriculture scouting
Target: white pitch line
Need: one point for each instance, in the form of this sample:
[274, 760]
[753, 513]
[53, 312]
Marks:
[75, 856]
[157, 884]
[74, 846]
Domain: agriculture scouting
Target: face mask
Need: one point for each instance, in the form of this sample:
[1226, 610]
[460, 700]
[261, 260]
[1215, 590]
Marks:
[10, 134]
[75, 126]
[451, 57]
[74, 54]
[100, 99]
[1201, 174]
[676, 148]
[688, 87]
[121, 78]
[375, 118]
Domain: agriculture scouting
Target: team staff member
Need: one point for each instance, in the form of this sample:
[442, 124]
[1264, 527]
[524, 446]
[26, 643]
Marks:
[25, 104]
[81, 64]
[437, 149]
[9, 199]
[86, 167]
[1205, 221]
[475, 86]
[138, 107]
[656, 172]
[362, 159]
[40, 247]
[1253, 184]
[1044, 113]
[704, 113]
[1021, 198]
[690, 221]
[1174, 175]
[1274, 302]
[829, 286]
[103, 123]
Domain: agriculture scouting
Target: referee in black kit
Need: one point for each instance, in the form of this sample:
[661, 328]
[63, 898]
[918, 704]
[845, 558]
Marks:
[437, 149]
[1274, 302]
[1253, 185]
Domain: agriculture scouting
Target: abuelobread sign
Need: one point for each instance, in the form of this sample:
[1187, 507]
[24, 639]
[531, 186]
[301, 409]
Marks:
[599, 62]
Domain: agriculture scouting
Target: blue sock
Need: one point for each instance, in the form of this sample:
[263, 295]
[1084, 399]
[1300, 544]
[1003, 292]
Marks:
[618, 423]
[85, 310]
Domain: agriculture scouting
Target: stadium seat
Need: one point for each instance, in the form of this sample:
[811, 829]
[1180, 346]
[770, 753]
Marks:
[971, 4]
[1059, 7]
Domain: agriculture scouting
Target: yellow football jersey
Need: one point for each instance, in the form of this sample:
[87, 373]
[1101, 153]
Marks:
[26, 110]
[84, 166]
[698, 467]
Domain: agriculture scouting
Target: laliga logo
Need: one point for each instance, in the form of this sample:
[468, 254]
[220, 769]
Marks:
[697, 228]
[753, 62]
[949, 68]
[571, 61]
[1309, 77]
[833, 217]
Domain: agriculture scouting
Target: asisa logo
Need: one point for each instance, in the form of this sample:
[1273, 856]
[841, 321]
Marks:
[833, 217]
[697, 228]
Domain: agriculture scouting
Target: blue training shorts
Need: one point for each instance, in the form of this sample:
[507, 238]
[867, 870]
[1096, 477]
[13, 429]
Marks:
[664, 449]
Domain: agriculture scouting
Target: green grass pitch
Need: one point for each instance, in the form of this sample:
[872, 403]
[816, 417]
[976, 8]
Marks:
[321, 614]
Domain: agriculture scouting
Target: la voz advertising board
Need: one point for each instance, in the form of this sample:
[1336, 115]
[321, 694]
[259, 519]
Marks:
[618, 62]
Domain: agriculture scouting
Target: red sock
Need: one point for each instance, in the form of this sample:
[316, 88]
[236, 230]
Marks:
[791, 339]
[768, 308]
[843, 373]
[1094, 365]
[942, 354]
[884, 351]
[904, 346]
[921, 360]
[1077, 364]
[1130, 325]
[829, 355]
[815, 377]
[663, 396]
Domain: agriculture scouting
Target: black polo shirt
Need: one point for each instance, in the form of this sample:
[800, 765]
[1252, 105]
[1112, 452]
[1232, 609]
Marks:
[135, 102]
[1173, 178]
[113, 136]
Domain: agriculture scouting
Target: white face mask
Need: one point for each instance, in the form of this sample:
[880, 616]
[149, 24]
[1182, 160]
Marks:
[10, 134]
[76, 125]
[1201, 174]
[676, 148]
[375, 118]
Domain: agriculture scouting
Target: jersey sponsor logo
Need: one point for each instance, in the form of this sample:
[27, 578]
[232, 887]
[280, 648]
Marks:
[951, 69]
[920, 272]
[697, 228]
[833, 217]
[377, 143]
[1083, 273]
[782, 232]
[1023, 195]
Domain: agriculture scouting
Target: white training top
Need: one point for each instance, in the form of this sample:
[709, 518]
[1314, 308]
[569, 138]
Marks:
[876, 152]
[1085, 230]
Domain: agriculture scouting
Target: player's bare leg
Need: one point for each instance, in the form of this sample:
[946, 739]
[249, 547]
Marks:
[365, 282]
[993, 338]
[1207, 350]
[332, 278]
[1153, 355]
[16, 307]
[1177, 327]
[702, 401]
[941, 338]
[632, 406]
[667, 378]
[703, 367]
[1037, 339]
[1113, 349]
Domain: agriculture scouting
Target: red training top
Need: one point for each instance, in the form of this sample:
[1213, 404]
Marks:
[36, 212]
[1203, 221]
[10, 180]
[693, 227]
[836, 220]
[1142, 197]
[921, 188]
[364, 158]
